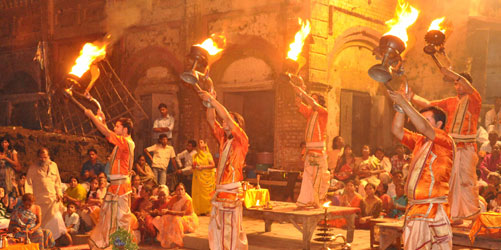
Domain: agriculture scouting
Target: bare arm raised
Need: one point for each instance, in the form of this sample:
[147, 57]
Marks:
[422, 125]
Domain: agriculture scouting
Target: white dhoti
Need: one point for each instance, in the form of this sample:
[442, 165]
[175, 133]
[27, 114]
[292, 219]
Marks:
[52, 217]
[315, 182]
[463, 194]
[421, 233]
[115, 213]
[225, 227]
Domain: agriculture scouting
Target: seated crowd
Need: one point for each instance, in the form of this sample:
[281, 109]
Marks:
[169, 195]
[375, 183]
[159, 214]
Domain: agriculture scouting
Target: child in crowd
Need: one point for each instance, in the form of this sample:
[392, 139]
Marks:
[71, 218]
[89, 211]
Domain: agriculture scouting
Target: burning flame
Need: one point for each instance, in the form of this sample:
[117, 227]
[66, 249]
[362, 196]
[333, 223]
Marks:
[405, 16]
[297, 45]
[89, 53]
[257, 203]
[326, 205]
[213, 45]
[437, 24]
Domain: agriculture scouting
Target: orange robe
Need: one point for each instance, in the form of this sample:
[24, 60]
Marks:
[115, 211]
[225, 225]
[462, 119]
[316, 174]
[427, 188]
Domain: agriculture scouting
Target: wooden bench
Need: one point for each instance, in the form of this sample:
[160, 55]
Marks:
[305, 221]
[390, 232]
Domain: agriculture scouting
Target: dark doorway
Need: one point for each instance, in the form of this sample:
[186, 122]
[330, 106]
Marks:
[24, 113]
[355, 118]
[258, 110]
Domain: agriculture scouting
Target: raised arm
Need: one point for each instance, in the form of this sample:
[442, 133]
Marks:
[101, 126]
[421, 124]
[304, 97]
[458, 79]
[221, 111]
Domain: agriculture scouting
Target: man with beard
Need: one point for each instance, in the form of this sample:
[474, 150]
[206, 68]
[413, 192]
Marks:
[44, 182]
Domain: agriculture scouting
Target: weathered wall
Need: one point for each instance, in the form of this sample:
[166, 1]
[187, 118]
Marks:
[152, 38]
[69, 152]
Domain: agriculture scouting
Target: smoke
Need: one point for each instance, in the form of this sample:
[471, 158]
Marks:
[122, 15]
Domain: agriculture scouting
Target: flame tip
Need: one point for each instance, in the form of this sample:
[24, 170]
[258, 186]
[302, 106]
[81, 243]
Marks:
[296, 47]
[89, 53]
[405, 16]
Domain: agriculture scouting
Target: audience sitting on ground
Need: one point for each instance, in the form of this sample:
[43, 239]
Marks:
[141, 208]
[399, 202]
[143, 170]
[493, 141]
[495, 204]
[136, 187]
[89, 211]
[346, 165]
[75, 193]
[26, 221]
[370, 206]
[176, 220]
[334, 154]
[71, 219]
[4, 204]
[387, 202]
[93, 167]
[491, 162]
[399, 160]
[396, 178]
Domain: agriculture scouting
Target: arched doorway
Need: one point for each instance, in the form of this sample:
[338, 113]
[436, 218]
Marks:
[246, 87]
[361, 109]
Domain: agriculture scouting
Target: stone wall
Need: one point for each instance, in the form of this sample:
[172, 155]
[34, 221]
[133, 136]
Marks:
[69, 152]
[151, 36]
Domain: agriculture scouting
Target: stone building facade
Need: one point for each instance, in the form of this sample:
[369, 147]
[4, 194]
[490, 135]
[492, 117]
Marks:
[151, 39]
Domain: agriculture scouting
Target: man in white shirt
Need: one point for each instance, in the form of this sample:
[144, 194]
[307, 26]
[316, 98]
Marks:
[493, 140]
[185, 163]
[162, 155]
[164, 124]
[493, 117]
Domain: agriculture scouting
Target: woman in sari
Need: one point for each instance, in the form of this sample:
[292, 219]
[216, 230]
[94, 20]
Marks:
[204, 179]
[144, 171]
[176, 220]
[9, 165]
[75, 193]
[26, 221]
[346, 166]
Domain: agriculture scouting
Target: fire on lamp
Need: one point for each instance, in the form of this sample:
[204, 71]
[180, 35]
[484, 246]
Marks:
[294, 61]
[89, 55]
[393, 43]
[435, 39]
[202, 54]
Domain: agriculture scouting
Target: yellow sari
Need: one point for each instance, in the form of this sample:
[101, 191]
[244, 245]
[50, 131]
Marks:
[204, 182]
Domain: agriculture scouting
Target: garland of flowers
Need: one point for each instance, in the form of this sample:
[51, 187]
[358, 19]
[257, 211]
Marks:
[122, 239]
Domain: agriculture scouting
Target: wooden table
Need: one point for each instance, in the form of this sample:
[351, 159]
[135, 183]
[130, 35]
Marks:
[389, 232]
[305, 221]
